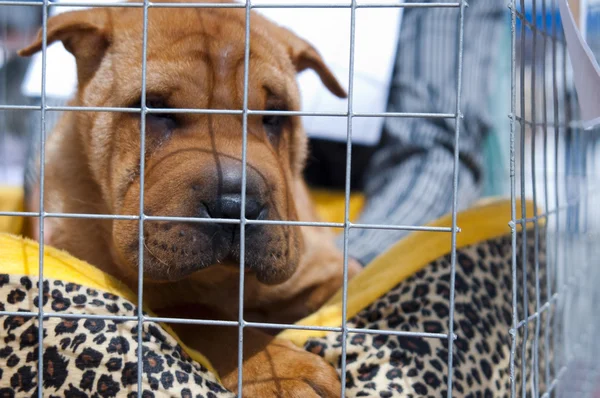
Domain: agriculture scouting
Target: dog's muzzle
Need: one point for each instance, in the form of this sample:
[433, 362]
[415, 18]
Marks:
[177, 249]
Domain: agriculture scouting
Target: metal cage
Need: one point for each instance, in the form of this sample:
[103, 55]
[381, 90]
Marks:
[551, 158]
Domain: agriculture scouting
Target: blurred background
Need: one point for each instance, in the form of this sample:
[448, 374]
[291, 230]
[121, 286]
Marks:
[19, 24]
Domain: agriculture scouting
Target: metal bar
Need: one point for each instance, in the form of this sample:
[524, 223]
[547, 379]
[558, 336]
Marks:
[200, 111]
[140, 280]
[540, 216]
[115, 109]
[457, 125]
[401, 227]
[6, 107]
[22, 3]
[403, 333]
[3, 120]
[296, 113]
[530, 25]
[513, 199]
[229, 221]
[350, 330]
[523, 211]
[241, 321]
[19, 214]
[431, 115]
[92, 216]
[535, 347]
[268, 325]
[195, 220]
[588, 272]
[565, 260]
[546, 202]
[190, 321]
[347, 194]
[31, 314]
[40, 367]
[363, 5]
[531, 123]
[556, 144]
[566, 124]
[546, 306]
[554, 383]
[528, 220]
[212, 322]
[233, 5]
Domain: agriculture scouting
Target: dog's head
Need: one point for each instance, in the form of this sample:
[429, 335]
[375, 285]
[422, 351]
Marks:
[193, 161]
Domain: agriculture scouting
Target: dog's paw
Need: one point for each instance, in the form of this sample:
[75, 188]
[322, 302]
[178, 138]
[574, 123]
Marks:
[284, 370]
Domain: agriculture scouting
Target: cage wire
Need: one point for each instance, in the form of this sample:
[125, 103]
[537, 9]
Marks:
[552, 160]
[556, 166]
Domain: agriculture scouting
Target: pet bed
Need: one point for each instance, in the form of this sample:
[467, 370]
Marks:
[406, 289]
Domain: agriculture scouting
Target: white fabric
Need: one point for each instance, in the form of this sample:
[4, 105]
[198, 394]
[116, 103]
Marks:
[61, 72]
[586, 72]
[329, 31]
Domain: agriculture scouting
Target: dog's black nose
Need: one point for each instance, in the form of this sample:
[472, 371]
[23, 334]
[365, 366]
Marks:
[221, 197]
[230, 206]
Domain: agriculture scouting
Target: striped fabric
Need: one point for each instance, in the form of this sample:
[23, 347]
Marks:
[408, 180]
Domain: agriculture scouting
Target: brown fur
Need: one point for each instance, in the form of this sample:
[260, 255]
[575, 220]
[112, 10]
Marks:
[194, 60]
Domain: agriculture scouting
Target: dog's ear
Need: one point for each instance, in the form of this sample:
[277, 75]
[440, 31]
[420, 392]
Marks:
[305, 56]
[82, 33]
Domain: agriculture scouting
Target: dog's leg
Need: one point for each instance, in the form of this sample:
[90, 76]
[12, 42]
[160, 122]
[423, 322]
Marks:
[272, 367]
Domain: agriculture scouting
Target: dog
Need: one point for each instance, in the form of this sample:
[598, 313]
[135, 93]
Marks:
[193, 168]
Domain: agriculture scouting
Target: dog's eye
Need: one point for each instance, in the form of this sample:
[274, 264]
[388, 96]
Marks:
[158, 103]
[157, 121]
[273, 125]
[273, 122]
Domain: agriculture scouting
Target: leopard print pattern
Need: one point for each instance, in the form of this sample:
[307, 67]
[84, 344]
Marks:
[91, 357]
[97, 358]
[387, 365]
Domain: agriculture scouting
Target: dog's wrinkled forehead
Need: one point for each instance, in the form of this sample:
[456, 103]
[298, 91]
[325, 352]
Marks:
[202, 49]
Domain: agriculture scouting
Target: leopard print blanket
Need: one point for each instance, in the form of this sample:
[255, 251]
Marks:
[95, 357]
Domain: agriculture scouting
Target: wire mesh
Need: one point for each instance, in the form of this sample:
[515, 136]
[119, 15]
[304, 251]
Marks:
[556, 173]
[542, 107]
